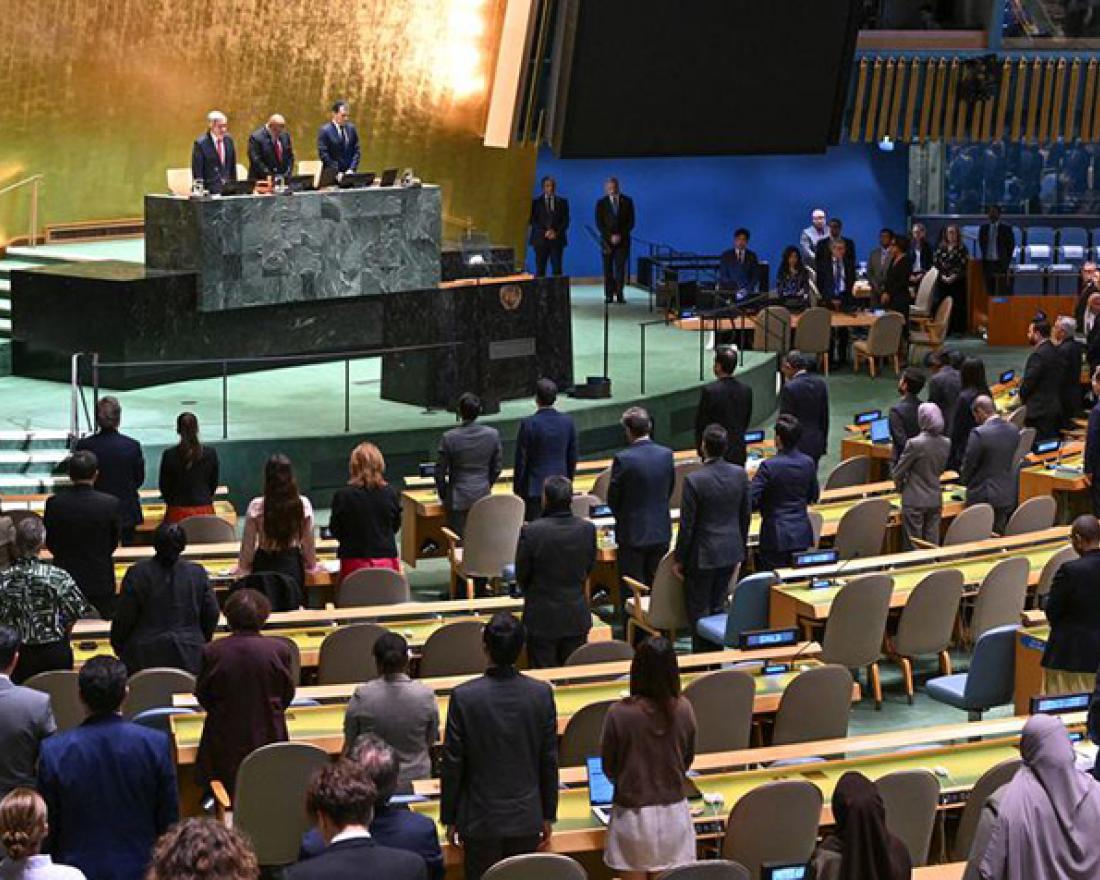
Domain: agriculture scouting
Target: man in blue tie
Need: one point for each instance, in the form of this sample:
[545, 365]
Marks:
[338, 142]
[835, 279]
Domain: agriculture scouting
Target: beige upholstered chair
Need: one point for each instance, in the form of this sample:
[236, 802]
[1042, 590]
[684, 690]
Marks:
[1017, 417]
[582, 505]
[772, 329]
[922, 303]
[1050, 569]
[153, 689]
[853, 471]
[1001, 596]
[242, 172]
[1033, 515]
[601, 485]
[347, 654]
[296, 658]
[723, 703]
[911, 798]
[311, 167]
[813, 334]
[857, 625]
[372, 586]
[682, 469]
[815, 705]
[608, 651]
[862, 529]
[61, 685]
[775, 822]
[208, 529]
[927, 623]
[454, 649]
[489, 544]
[817, 523]
[582, 734]
[987, 783]
[883, 341]
[536, 866]
[659, 609]
[713, 869]
[179, 181]
[933, 332]
[1023, 446]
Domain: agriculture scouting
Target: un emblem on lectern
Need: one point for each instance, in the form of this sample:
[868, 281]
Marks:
[511, 295]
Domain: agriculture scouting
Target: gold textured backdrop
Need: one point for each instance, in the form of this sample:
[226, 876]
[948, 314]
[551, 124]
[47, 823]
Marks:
[102, 95]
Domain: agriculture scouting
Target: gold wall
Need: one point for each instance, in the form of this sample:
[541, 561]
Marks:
[101, 96]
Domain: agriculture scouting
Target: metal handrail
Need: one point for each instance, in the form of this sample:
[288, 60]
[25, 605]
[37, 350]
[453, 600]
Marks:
[32, 181]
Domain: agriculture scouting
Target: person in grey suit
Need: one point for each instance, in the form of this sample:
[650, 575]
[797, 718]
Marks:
[987, 470]
[25, 720]
[468, 462]
[553, 559]
[917, 475]
[714, 529]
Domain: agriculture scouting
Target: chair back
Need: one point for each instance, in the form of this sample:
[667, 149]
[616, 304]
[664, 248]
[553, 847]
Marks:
[681, 470]
[990, 681]
[1001, 596]
[884, 337]
[153, 689]
[716, 869]
[347, 654]
[60, 684]
[815, 705]
[911, 798]
[208, 529]
[1033, 515]
[814, 331]
[271, 789]
[928, 618]
[1023, 445]
[723, 703]
[179, 181]
[993, 778]
[311, 166]
[1050, 569]
[536, 866]
[817, 523]
[862, 529]
[242, 172]
[454, 649]
[857, 621]
[582, 505]
[583, 734]
[975, 523]
[608, 651]
[1017, 417]
[372, 586]
[941, 319]
[772, 329]
[295, 658]
[602, 484]
[161, 719]
[749, 606]
[775, 822]
[853, 471]
[923, 300]
[666, 597]
[491, 536]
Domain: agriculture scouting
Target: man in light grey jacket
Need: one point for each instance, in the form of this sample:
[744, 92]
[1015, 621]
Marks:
[25, 720]
[987, 469]
[918, 473]
[468, 463]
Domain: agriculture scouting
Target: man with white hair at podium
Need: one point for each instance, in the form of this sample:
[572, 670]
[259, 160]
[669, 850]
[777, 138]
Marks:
[214, 157]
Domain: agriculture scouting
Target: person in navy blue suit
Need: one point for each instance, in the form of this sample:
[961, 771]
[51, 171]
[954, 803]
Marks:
[213, 155]
[546, 446]
[549, 228]
[121, 464]
[806, 397]
[338, 141]
[270, 152]
[109, 784]
[642, 479]
[1092, 446]
[738, 268]
[783, 488]
[393, 825]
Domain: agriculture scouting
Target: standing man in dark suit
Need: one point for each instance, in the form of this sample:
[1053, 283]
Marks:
[996, 241]
[823, 255]
[896, 295]
[121, 464]
[468, 463]
[615, 221]
[987, 470]
[546, 446]
[642, 478]
[879, 260]
[836, 275]
[739, 268]
[1072, 653]
[26, 719]
[499, 781]
[270, 153]
[783, 488]
[1041, 387]
[554, 557]
[903, 414]
[109, 784]
[338, 142]
[82, 532]
[944, 385]
[726, 402]
[549, 225]
[213, 155]
[1071, 353]
[1091, 466]
[714, 530]
[1090, 327]
[806, 397]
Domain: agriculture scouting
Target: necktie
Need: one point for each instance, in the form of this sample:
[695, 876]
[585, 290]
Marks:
[279, 151]
[740, 256]
[343, 135]
[220, 142]
[992, 241]
[615, 204]
[838, 281]
[550, 204]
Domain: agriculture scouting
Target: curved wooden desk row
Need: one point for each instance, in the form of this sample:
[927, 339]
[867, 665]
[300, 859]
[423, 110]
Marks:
[152, 506]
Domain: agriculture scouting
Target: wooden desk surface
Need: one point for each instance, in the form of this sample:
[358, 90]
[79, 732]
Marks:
[749, 322]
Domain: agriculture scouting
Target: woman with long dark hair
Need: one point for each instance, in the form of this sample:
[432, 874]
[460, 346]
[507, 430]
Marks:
[648, 746]
[974, 385]
[792, 279]
[188, 473]
[366, 514]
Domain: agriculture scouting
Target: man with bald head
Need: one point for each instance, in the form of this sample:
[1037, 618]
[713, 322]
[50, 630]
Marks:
[270, 153]
[213, 155]
[1072, 653]
[988, 468]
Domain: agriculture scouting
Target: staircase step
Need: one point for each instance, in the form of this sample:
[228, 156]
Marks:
[7, 266]
[36, 440]
[31, 462]
[30, 484]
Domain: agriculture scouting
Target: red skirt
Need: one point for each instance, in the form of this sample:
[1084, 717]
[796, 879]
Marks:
[175, 514]
[347, 566]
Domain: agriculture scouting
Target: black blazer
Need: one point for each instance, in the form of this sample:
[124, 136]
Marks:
[1091, 464]
[365, 522]
[714, 517]
[806, 397]
[183, 486]
[1041, 387]
[642, 479]
[1073, 609]
[546, 446]
[121, 472]
[553, 559]
[739, 276]
[358, 858]
[943, 390]
[1006, 243]
[896, 284]
[903, 422]
[542, 220]
[206, 165]
[611, 223]
[262, 161]
[823, 265]
[783, 488]
[926, 256]
[1071, 353]
[961, 425]
[82, 532]
[334, 152]
[726, 402]
[500, 756]
[1092, 346]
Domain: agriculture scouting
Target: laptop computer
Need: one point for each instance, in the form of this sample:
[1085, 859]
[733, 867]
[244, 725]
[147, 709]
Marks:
[880, 431]
[300, 182]
[389, 177]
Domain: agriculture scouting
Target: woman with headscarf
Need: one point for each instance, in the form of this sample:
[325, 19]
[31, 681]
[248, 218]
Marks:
[1045, 823]
[918, 473]
[861, 848]
[167, 610]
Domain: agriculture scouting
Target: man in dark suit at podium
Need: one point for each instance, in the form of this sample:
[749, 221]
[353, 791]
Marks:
[615, 220]
[996, 241]
[213, 156]
[549, 224]
[270, 153]
[738, 267]
[338, 141]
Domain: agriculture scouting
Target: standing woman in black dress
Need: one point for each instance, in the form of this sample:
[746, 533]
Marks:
[951, 260]
[896, 295]
[188, 473]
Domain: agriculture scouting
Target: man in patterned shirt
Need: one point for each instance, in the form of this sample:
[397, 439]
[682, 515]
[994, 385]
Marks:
[41, 602]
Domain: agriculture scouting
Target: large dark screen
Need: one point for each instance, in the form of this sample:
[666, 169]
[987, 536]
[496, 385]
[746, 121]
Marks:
[700, 77]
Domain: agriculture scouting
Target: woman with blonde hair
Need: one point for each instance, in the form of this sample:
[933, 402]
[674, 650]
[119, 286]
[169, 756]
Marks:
[23, 828]
[202, 849]
[366, 514]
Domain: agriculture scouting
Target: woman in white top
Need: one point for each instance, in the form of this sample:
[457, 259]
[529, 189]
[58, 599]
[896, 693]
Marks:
[22, 829]
[278, 528]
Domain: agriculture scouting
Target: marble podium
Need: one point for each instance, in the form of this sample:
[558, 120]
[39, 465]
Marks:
[260, 250]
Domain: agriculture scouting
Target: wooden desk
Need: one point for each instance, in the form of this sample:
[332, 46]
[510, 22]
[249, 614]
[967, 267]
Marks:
[152, 507]
[951, 871]
[1009, 316]
[749, 322]
[1030, 643]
